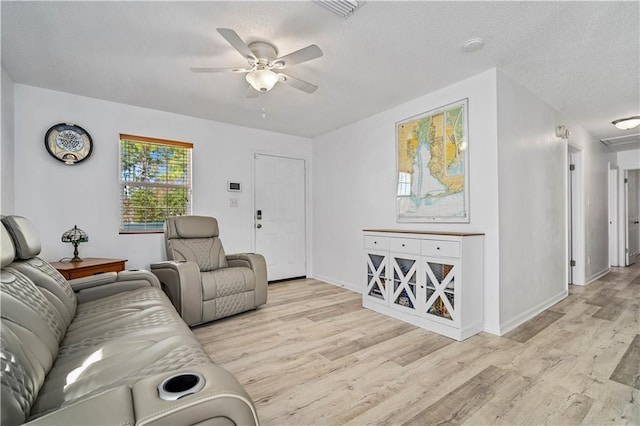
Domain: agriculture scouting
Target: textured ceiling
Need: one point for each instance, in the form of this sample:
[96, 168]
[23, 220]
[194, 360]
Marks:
[581, 57]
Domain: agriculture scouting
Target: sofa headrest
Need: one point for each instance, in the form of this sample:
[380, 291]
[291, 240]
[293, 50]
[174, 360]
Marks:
[191, 227]
[7, 250]
[24, 235]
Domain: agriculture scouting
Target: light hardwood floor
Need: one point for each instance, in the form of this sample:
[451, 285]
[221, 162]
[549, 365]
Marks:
[314, 356]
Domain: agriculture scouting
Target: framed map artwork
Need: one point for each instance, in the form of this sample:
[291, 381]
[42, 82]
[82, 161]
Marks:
[433, 166]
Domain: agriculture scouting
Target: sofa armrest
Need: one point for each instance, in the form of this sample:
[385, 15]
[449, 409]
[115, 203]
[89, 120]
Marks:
[258, 265]
[84, 283]
[222, 400]
[112, 407]
[181, 281]
[109, 283]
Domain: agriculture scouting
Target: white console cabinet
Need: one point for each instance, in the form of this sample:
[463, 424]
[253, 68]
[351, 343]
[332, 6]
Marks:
[431, 280]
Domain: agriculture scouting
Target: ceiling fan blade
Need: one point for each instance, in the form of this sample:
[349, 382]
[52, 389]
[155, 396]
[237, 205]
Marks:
[251, 92]
[237, 43]
[297, 83]
[305, 54]
[219, 69]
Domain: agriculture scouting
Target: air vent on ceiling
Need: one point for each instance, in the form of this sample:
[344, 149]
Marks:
[343, 8]
[622, 142]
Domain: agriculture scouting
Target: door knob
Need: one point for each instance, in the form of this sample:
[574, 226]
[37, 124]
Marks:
[259, 226]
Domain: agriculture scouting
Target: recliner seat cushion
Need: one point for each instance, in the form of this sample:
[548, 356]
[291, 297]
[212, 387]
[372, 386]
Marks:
[149, 342]
[227, 281]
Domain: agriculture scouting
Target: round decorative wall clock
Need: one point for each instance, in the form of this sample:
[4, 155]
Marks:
[68, 143]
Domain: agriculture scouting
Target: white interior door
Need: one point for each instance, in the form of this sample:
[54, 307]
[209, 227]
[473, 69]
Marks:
[613, 217]
[280, 228]
[632, 190]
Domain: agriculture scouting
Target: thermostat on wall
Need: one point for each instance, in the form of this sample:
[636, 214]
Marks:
[234, 187]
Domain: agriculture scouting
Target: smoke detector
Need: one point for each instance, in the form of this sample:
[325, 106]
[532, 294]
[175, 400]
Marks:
[473, 44]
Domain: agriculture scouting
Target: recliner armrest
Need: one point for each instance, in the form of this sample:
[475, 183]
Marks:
[222, 400]
[258, 265]
[112, 407]
[83, 283]
[174, 275]
[109, 283]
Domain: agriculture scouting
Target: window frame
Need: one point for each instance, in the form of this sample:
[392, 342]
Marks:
[122, 183]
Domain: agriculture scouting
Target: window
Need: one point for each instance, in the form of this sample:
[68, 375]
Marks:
[155, 182]
[404, 184]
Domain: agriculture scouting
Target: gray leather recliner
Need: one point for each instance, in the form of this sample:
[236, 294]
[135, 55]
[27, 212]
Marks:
[203, 283]
[104, 349]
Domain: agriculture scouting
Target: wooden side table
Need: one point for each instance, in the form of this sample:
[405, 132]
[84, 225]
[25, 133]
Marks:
[89, 266]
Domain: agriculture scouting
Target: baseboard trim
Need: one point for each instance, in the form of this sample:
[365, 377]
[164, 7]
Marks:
[526, 316]
[337, 283]
[597, 275]
[491, 330]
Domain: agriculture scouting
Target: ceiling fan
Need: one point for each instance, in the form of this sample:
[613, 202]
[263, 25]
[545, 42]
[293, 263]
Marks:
[265, 65]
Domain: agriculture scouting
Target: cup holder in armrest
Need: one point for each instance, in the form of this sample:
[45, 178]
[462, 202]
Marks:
[179, 385]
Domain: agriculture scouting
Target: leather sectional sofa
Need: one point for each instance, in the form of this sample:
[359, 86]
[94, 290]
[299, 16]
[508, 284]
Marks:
[107, 349]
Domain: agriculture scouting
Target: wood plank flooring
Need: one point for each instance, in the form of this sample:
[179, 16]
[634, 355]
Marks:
[314, 356]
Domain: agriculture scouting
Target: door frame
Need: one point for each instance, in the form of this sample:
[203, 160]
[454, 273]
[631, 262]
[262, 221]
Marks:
[614, 231]
[625, 192]
[575, 216]
[307, 202]
[626, 256]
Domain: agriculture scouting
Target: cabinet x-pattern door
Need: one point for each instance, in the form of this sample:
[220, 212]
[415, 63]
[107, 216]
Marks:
[377, 276]
[441, 291]
[405, 287]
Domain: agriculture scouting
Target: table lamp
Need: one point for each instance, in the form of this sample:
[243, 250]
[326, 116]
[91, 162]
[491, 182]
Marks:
[75, 236]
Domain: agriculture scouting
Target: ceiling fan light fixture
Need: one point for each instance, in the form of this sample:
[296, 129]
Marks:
[262, 80]
[627, 123]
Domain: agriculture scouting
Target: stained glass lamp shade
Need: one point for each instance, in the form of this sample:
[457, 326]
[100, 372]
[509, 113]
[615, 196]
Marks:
[75, 236]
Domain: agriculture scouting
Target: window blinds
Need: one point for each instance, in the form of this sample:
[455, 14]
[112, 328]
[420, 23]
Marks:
[155, 182]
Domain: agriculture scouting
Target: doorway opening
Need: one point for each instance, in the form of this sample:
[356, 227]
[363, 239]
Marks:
[632, 215]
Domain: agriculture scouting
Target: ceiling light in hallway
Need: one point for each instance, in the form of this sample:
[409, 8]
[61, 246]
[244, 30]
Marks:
[627, 123]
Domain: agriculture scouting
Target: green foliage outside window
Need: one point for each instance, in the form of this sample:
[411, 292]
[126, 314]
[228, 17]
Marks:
[155, 182]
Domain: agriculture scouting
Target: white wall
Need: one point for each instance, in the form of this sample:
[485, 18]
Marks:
[354, 186]
[56, 196]
[533, 204]
[628, 160]
[7, 144]
[532, 197]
